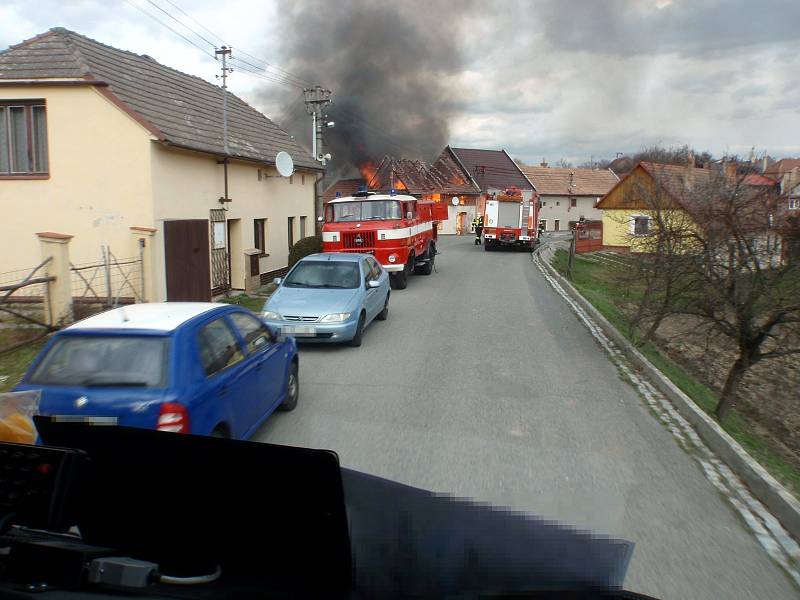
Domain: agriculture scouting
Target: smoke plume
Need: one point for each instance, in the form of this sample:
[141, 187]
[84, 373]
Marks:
[393, 69]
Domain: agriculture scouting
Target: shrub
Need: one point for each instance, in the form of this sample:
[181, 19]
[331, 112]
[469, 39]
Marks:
[304, 247]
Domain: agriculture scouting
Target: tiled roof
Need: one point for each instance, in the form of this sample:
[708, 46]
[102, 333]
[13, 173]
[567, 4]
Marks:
[756, 179]
[778, 168]
[345, 187]
[182, 110]
[571, 182]
[420, 178]
[491, 168]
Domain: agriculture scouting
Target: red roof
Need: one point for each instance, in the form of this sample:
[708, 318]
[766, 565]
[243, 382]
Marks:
[756, 179]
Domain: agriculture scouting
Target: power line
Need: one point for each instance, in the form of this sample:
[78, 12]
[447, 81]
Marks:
[212, 44]
[160, 22]
[264, 64]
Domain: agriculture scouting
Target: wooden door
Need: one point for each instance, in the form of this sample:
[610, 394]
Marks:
[186, 255]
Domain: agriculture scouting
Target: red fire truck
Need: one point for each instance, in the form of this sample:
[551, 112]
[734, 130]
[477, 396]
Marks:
[399, 230]
[510, 220]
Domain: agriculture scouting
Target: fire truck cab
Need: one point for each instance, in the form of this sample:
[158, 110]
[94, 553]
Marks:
[509, 220]
[398, 229]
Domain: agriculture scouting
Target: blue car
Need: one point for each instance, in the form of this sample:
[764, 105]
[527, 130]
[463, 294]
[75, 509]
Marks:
[204, 368]
[330, 297]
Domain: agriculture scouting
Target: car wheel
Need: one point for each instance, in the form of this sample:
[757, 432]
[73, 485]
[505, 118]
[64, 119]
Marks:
[427, 268]
[220, 431]
[384, 314]
[399, 281]
[356, 341]
[292, 390]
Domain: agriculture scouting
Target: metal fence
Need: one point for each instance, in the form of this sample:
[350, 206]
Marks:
[109, 282]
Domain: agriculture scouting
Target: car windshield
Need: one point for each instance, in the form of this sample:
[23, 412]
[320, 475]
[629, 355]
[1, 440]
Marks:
[324, 274]
[122, 360]
[366, 210]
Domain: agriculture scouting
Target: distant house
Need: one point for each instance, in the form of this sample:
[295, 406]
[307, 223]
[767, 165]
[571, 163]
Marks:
[567, 195]
[342, 187]
[488, 172]
[777, 169]
[113, 148]
[628, 209]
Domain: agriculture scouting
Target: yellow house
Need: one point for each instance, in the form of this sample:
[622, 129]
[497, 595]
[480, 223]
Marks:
[117, 150]
[629, 207]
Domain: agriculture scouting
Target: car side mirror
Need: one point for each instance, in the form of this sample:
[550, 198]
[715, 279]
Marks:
[373, 283]
[320, 219]
[277, 281]
[409, 215]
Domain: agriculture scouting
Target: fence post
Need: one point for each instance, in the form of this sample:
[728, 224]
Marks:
[58, 299]
[143, 246]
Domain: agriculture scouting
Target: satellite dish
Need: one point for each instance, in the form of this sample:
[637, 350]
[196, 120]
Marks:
[284, 164]
[454, 201]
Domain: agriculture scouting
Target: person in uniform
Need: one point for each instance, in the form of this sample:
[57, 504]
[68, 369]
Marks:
[477, 223]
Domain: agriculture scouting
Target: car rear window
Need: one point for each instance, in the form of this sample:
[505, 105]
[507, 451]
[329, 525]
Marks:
[324, 274]
[105, 361]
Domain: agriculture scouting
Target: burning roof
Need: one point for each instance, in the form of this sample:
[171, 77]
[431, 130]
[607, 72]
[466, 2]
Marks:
[416, 177]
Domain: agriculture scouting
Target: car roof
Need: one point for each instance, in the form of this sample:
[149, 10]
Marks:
[155, 316]
[337, 256]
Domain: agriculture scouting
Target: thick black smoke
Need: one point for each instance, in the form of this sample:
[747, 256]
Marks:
[392, 67]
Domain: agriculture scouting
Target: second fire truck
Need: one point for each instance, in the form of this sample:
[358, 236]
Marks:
[398, 229]
[510, 220]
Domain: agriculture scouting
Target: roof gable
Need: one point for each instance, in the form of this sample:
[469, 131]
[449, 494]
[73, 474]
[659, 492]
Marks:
[183, 110]
[491, 168]
[571, 181]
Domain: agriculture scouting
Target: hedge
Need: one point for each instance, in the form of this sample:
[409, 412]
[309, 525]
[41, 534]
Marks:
[304, 247]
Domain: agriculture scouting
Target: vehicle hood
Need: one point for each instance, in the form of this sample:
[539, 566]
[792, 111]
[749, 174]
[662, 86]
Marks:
[131, 405]
[311, 301]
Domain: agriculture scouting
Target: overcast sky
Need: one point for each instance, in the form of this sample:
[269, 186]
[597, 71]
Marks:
[543, 78]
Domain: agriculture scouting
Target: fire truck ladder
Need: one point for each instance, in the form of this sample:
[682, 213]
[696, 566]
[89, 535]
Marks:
[526, 213]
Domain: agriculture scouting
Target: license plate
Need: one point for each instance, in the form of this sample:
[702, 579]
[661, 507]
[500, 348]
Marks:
[300, 330]
[86, 419]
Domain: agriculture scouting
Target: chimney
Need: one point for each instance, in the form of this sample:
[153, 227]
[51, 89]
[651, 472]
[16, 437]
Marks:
[543, 163]
[690, 171]
[730, 171]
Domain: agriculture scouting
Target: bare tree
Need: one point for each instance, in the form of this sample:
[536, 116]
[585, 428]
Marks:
[716, 252]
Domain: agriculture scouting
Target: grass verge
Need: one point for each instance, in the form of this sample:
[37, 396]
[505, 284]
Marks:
[13, 364]
[254, 303]
[596, 282]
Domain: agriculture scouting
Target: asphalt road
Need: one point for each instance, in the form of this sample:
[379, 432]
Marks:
[483, 384]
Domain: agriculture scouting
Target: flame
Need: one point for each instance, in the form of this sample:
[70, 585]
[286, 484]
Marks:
[399, 185]
[368, 172]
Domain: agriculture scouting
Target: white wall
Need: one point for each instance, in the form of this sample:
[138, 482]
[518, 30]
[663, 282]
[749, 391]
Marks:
[558, 207]
[187, 185]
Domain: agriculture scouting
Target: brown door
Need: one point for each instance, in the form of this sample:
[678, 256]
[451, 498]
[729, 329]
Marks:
[186, 254]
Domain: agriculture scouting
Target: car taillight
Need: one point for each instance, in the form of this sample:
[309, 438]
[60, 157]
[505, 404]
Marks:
[173, 417]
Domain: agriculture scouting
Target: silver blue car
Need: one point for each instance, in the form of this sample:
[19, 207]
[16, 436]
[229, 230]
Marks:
[329, 297]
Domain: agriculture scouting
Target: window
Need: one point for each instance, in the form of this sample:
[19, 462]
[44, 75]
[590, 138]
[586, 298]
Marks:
[544, 203]
[324, 274]
[573, 202]
[260, 235]
[254, 332]
[107, 360]
[556, 225]
[291, 179]
[218, 347]
[290, 232]
[302, 227]
[302, 179]
[366, 268]
[558, 203]
[364, 211]
[376, 267]
[641, 225]
[543, 224]
[23, 138]
[794, 203]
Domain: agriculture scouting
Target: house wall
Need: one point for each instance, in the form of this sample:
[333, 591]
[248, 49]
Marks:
[99, 163]
[188, 185]
[618, 226]
[559, 208]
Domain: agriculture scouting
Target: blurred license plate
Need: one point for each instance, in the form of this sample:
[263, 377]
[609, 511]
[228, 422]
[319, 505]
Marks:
[300, 330]
[83, 419]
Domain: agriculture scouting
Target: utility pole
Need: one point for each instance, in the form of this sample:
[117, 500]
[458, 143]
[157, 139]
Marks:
[316, 99]
[225, 52]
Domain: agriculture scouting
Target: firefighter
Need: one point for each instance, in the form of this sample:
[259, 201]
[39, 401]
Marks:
[477, 223]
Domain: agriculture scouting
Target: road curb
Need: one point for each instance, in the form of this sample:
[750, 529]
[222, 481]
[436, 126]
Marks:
[763, 486]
